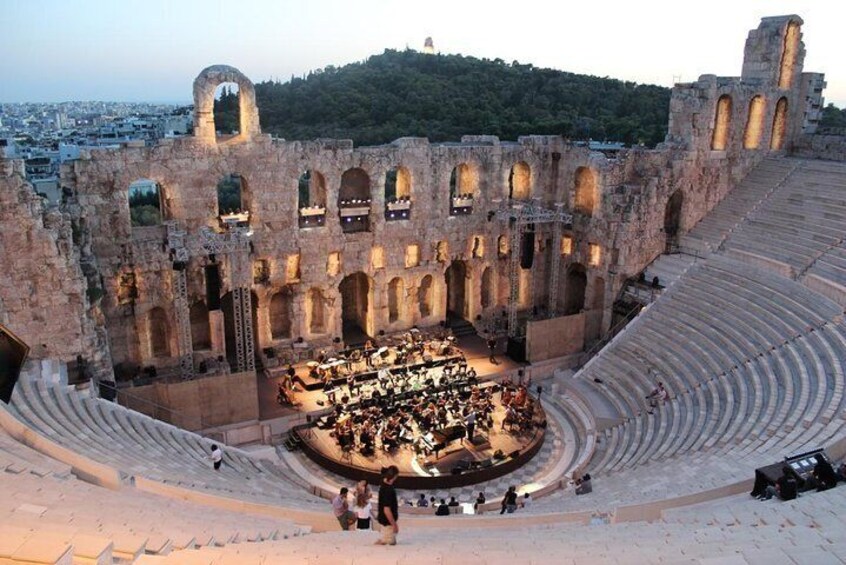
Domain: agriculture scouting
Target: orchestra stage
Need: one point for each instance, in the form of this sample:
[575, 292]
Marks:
[406, 402]
[434, 471]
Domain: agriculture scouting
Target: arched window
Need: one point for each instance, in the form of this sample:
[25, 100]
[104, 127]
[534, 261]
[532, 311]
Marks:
[397, 184]
[281, 315]
[158, 330]
[754, 123]
[788, 55]
[230, 197]
[200, 330]
[488, 293]
[574, 297]
[722, 121]
[145, 203]
[502, 246]
[425, 296]
[586, 191]
[354, 201]
[463, 188]
[227, 109]
[520, 182]
[779, 125]
[396, 292]
[316, 311]
[311, 190]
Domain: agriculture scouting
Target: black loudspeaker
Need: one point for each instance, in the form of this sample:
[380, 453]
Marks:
[213, 287]
[13, 354]
[527, 248]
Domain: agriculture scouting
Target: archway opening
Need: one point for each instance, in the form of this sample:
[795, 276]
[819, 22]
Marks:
[281, 314]
[145, 203]
[231, 205]
[574, 295]
[754, 123]
[425, 296]
[200, 328]
[456, 287]
[789, 51]
[355, 307]
[227, 109]
[520, 182]
[396, 292]
[672, 218]
[722, 121]
[586, 191]
[779, 125]
[354, 201]
[463, 185]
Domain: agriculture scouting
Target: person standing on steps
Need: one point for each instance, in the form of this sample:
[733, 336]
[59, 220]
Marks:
[388, 513]
[216, 457]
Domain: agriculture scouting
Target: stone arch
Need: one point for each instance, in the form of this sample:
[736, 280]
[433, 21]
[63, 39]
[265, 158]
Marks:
[397, 184]
[457, 295]
[754, 123]
[502, 246]
[464, 180]
[574, 295]
[281, 314]
[425, 296]
[673, 214]
[520, 181]
[779, 125]
[311, 189]
[232, 195]
[354, 196]
[158, 330]
[587, 191]
[316, 311]
[145, 203]
[205, 86]
[200, 327]
[722, 123]
[488, 291]
[356, 292]
[789, 51]
[396, 294]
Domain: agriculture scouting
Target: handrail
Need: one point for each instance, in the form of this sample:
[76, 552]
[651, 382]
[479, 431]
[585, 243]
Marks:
[609, 335]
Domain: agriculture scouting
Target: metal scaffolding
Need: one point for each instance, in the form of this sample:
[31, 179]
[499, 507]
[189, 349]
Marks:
[235, 243]
[518, 216]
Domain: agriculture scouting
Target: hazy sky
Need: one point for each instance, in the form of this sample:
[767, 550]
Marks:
[151, 50]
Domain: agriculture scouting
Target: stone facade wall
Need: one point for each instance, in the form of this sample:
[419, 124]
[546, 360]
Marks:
[828, 147]
[625, 229]
[44, 294]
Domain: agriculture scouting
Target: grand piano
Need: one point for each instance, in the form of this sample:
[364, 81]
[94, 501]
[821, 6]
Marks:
[436, 440]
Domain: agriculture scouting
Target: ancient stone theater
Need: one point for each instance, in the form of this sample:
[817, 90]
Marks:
[634, 339]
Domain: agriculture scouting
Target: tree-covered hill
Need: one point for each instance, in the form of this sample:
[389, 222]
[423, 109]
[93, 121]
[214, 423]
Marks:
[442, 97]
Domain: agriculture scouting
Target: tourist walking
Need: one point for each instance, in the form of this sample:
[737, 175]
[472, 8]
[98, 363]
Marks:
[341, 509]
[388, 512]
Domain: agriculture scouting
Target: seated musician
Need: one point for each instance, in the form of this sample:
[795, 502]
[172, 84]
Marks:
[366, 439]
[329, 390]
[506, 396]
[520, 397]
[511, 416]
[471, 374]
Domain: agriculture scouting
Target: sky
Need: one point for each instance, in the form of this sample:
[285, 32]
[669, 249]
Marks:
[151, 50]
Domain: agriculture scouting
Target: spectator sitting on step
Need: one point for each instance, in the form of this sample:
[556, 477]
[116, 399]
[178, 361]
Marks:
[583, 484]
[443, 508]
[527, 501]
[785, 487]
[841, 472]
[479, 500]
[422, 502]
[659, 395]
[453, 501]
[824, 473]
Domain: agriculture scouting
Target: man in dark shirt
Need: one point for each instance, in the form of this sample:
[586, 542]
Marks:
[509, 501]
[785, 487]
[824, 473]
[388, 508]
[443, 509]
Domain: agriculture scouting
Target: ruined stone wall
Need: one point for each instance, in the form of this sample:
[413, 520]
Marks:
[44, 296]
[828, 147]
[617, 229]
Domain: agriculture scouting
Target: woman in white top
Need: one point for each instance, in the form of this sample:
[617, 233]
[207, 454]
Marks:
[363, 510]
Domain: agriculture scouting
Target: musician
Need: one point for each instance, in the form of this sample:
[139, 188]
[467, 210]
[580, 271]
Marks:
[351, 384]
[520, 397]
[470, 424]
[329, 390]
